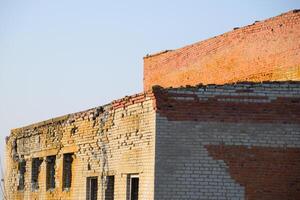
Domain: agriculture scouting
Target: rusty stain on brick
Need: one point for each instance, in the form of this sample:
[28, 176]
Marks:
[265, 172]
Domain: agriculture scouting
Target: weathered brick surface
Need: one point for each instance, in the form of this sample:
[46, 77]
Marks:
[239, 141]
[226, 142]
[265, 172]
[264, 51]
[243, 102]
[232, 141]
[117, 139]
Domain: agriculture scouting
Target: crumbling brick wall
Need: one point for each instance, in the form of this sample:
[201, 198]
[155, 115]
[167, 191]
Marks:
[234, 141]
[113, 140]
[264, 51]
[228, 142]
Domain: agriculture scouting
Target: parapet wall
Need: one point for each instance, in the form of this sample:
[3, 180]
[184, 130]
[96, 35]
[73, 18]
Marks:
[264, 51]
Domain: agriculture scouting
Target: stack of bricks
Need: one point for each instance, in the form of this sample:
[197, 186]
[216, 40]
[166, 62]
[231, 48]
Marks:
[264, 51]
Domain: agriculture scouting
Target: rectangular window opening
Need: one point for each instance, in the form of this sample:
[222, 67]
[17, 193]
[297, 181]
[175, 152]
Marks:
[22, 170]
[109, 187]
[133, 187]
[50, 172]
[67, 170]
[91, 188]
[35, 171]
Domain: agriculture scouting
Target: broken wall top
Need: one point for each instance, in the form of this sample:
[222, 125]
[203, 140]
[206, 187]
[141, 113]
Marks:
[101, 112]
[273, 101]
[244, 102]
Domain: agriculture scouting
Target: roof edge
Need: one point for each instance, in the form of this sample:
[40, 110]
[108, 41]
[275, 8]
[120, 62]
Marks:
[109, 106]
[136, 98]
[235, 29]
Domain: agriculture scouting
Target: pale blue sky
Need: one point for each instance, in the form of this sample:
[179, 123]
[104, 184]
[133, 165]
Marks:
[63, 56]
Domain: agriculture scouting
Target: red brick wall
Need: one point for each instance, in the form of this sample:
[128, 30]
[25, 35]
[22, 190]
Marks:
[235, 106]
[266, 50]
[265, 172]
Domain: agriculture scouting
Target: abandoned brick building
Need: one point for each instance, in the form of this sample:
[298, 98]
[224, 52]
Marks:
[225, 139]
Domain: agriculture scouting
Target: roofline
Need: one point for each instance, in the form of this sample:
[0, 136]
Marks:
[235, 29]
[151, 91]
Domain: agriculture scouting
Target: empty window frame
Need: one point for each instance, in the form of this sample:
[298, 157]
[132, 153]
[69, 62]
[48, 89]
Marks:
[22, 170]
[67, 170]
[133, 187]
[50, 172]
[109, 187]
[35, 170]
[91, 188]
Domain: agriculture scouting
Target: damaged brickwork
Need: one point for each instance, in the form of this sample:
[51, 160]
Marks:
[113, 140]
[230, 141]
[233, 141]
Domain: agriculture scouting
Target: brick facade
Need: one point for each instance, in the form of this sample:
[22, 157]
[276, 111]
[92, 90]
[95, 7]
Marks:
[237, 141]
[264, 51]
[229, 141]
[113, 140]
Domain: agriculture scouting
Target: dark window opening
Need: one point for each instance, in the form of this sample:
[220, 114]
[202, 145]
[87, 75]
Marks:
[50, 172]
[35, 170]
[92, 188]
[109, 189]
[133, 187]
[67, 170]
[22, 170]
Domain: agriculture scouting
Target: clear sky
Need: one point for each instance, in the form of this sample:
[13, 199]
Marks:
[63, 56]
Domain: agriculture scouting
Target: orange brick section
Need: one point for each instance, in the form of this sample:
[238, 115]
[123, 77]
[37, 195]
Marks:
[265, 172]
[266, 50]
[259, 103]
